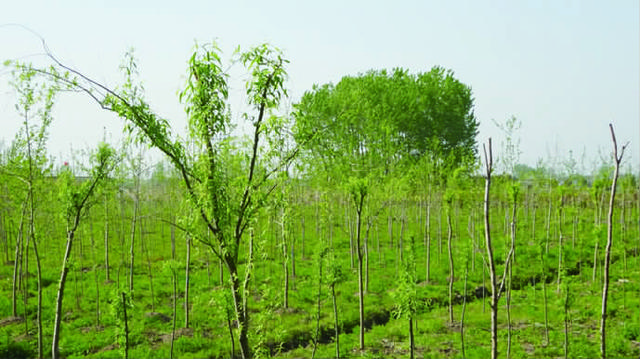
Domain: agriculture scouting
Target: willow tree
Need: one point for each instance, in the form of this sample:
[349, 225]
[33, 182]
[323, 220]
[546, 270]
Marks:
[226, 178]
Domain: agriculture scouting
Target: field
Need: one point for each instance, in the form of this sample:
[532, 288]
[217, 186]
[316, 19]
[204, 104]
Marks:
[303, 243]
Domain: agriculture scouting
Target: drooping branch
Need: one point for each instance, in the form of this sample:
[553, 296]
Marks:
[140, 116]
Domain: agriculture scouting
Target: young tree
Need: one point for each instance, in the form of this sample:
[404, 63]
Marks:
[496, 289]
[76, 199]
[227, 181]
[406, 296]
[605, 288]
[35, 104]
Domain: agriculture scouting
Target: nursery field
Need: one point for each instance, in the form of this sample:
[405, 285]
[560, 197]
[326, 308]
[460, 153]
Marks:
[364, 222]
[301, 258]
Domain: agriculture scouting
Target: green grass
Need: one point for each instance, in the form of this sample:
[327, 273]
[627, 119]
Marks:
[293, 329]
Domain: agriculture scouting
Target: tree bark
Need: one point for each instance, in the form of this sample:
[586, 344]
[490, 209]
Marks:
[451, 268]
[186, 282]
[106, 237]
[492, 269]
[359, 207]
[605, 288]
[63, 279]
[335, 316]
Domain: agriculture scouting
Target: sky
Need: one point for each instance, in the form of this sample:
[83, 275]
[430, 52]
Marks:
[565, 69]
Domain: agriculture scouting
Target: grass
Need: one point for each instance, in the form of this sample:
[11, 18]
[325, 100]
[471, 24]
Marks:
[280, 332]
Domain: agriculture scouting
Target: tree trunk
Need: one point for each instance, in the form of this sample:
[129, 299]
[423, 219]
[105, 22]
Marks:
[560, 243]
[39, 280]
[319, 302]
[186, 283]
[134, 220]
[335, 323]
[126, 325]
[241, 316]
[544, 297]
[411, 341]
[359, 207]
[366, 256]
[285, 258]
[427, 235]
[63, 279]
[349, 225]
[17, 263]
[106, 237]
[302, 232]
[451, 268]
[174, 283]
[464, 308]
[492, 269]
[607, 260]
[566, 322]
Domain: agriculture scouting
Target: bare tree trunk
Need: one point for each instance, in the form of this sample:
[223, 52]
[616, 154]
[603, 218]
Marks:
[411, 341]
[566, 322]
[17, 263]
[319, 302]
[366, 257]
[560, 243]
[595, 261]
[302, 233]
[126, 325]
[39, 280]
[349, 225]
[63, 279]
[335, 316]
[239, 296]
[510, 270]
[544, 294]
[492, 268]
[174, 283]
[451, 269]
[106, 237]
[427, 235]
[241, 316]
[605, 288]
[464, 307]
[186, 282]
[359, 207]
[134, 220]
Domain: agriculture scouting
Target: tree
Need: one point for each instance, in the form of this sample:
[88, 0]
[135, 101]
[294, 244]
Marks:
[226, 179]
[76, 198]
[35, 104]
[617, 158]
[394, 114]
[496, 288]
[406, 297]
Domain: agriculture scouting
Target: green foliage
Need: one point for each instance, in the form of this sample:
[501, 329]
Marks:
[206, 93]
[74, 196]
[405, 296]
[383, 116]
[16, 350]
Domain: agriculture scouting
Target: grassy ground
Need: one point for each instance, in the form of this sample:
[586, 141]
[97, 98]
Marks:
[290, 332]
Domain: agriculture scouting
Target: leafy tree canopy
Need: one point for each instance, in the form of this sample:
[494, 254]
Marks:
[383, 117]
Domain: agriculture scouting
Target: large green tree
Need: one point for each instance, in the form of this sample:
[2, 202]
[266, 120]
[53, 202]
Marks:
[389, 115]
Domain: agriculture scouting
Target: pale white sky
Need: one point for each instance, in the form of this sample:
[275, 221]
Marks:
[564, 68]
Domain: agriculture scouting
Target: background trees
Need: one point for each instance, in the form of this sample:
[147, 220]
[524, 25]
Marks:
[389, 115]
